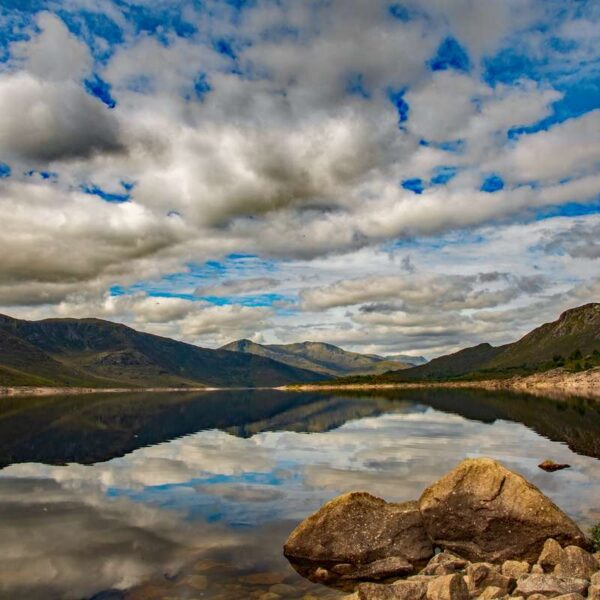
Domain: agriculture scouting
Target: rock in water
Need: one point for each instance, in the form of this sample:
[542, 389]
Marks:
[550, 466]
[356, 530]
[485, 512]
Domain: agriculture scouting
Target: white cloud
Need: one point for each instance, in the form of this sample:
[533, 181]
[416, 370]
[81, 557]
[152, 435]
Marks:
[281, 161]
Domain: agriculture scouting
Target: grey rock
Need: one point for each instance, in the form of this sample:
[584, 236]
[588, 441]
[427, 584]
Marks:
[473, 511]
[576, 562]
[448, 587]
[550, 585]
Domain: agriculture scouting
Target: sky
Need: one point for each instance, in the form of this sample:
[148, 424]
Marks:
[392, 177]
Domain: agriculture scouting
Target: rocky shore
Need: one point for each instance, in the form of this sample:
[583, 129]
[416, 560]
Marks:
[481, 532]
[549, 383]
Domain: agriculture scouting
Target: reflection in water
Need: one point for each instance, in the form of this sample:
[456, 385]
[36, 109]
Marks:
[205, 515]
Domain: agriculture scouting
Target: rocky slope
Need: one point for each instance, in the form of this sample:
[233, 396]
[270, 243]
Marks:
[497, 537]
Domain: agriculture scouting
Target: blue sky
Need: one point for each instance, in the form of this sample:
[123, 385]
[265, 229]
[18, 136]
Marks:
[225, 168]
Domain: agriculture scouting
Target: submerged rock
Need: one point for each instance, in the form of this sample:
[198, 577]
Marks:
[485, 512]
[361, 531]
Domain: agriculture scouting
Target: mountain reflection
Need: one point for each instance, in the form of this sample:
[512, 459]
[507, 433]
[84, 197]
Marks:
[92, 428]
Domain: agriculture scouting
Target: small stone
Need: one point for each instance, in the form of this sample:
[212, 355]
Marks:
[549, 585]
[516, 598]
[550, 555]
[400, 590]
[444, 563]
[537, 570]
[515, 568]
[492, 592]
[595, 579]
[483, 575]
[594, 592]
[572, 596]
[576, 562]
[448, 587]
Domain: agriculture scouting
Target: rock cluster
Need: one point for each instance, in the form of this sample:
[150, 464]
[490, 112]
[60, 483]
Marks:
[496, 537]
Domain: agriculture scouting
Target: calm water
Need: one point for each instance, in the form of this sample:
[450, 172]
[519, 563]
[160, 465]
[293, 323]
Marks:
[191, 496]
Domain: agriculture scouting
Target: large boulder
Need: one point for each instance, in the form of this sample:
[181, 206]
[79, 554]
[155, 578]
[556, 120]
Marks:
[484, 512]
[361, 534]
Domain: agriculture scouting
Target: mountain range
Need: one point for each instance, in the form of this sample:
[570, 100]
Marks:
[97, 353]
[325, 359]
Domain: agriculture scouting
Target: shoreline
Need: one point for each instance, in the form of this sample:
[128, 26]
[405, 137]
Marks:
[64, 391]
[556, 382]
[559, 382]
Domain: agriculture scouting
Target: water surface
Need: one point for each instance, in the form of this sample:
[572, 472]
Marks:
[147, 496]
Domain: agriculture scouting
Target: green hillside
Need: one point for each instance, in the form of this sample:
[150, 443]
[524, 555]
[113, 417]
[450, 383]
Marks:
[572, 342]
[453, 365]
[322, 358]
[96, 353]
[576, 330]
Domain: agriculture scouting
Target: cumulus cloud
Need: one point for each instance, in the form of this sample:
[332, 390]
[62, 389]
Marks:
[286, 131]
[234, 287]
[44, 120]
[430, 291]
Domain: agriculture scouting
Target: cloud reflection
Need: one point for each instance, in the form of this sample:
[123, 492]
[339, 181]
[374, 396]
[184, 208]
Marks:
[67, 531]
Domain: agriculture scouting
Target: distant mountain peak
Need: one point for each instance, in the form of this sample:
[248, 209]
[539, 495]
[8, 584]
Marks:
[324, 358]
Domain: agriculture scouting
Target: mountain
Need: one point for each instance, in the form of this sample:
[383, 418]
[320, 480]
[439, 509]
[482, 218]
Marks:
[573, 340]
[321, 358]
[413, 361]
[576, 329]
[453, 365]
[96, 353]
